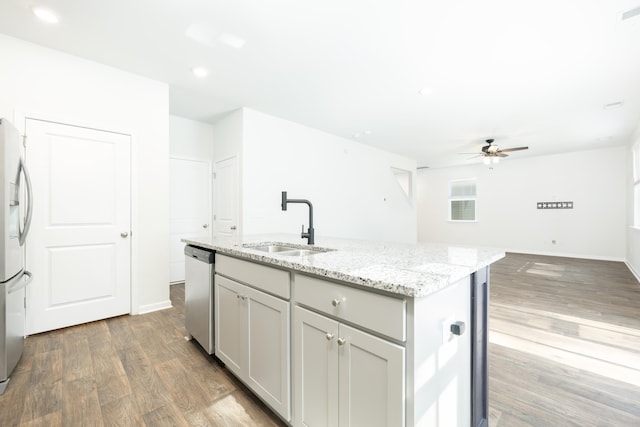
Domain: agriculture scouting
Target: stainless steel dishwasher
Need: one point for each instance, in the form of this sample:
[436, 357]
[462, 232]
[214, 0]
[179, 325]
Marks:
[198, 295]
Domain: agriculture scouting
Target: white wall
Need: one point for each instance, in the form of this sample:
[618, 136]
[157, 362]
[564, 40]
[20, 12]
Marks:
[228, 135]
[633, 232]
[352, 186]
[190, 139]
[50, 83]
[506, 205]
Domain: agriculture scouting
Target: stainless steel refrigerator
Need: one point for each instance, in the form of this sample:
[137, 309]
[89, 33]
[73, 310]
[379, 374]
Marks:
[15, 218]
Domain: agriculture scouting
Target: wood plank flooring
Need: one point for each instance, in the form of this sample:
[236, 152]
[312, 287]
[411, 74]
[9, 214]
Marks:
[564, 351]
[126, 371]
[564, 343]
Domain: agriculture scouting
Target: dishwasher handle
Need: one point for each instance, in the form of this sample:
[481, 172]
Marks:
[201, 254]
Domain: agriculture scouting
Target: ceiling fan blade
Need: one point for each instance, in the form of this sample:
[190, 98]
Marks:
[476, 155]
[501, 154]
[506, 150]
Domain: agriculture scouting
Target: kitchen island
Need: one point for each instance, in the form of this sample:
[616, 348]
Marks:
[350, 332]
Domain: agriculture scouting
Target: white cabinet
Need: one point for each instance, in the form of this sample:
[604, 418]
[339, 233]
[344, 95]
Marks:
[360, 357]
[316, 369]
[344, 376]
[252, 339]
[230, 323]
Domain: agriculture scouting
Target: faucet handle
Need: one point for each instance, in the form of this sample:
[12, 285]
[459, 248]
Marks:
[303, 234]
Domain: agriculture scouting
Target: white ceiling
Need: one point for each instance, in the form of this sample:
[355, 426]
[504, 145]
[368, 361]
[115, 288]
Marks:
[535, 73]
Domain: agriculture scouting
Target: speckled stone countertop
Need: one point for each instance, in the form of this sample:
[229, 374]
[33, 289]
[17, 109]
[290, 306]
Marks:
[411, 270]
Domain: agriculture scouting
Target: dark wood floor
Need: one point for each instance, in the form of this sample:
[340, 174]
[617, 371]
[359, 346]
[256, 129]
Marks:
[126, 371]
[564, 351]
[564, 343]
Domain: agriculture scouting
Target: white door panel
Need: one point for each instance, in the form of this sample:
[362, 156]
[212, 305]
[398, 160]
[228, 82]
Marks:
[268, 364]
[82, 204]
[230, 323]
[189, 209]
[226, 197]
[315, 369]
[71, 285]
[371, 380]
[74, 201]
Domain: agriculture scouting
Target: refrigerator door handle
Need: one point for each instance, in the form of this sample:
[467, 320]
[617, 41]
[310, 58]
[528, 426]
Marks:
[27, 219]
[17, 283]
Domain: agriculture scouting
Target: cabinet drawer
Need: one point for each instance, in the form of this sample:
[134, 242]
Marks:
[259, 276]
[383, 314]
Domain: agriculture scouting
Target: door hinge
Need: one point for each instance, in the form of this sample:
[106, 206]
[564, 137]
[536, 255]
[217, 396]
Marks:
[214, 217]
[24, 141]
[214, 175]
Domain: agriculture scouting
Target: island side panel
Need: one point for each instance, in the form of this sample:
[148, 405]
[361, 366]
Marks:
[479, 348]
[439, 362]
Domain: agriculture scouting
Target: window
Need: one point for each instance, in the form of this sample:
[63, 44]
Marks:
[462, 200]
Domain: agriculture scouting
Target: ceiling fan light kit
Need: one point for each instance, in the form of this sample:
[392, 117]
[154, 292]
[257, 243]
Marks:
[491, 153]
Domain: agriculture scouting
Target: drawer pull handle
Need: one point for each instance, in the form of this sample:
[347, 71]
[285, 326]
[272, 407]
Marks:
[341, 341]
[336, 302]
[329, 336]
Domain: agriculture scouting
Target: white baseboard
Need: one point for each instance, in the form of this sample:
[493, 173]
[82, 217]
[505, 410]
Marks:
[148, 308]
[567, 255]
[633, 271]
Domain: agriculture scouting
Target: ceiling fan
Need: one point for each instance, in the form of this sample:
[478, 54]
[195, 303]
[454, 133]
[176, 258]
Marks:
[492, 152]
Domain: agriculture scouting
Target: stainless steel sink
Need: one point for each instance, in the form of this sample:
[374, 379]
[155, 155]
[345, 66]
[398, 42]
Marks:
[285, 250]
[300, 252]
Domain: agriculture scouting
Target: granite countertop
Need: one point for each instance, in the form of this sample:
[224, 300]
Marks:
[414, 270]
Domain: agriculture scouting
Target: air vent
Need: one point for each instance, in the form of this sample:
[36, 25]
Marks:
[631, 13]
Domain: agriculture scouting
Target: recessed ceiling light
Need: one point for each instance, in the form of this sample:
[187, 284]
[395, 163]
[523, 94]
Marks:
[45, 15]
[425, 91]
[200, 72]
[613, 105]
[231, 40]
[367, 132]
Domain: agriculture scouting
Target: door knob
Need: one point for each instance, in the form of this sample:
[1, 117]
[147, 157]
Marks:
[205, 225]
[233, 227]
[124, 234]
[341, 341]
[329, 336]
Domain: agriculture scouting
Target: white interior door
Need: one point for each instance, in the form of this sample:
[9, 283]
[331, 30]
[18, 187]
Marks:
[190, 208]
[79, 247]
[226, 195]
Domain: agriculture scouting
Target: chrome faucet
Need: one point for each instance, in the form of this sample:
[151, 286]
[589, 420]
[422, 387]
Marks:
[309, 235]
